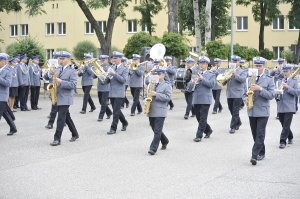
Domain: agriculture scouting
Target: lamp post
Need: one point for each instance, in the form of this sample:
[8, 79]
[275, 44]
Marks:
[232, 21]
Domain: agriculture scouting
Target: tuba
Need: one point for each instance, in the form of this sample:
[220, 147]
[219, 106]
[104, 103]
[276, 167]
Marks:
[222, 79]
[98, 71]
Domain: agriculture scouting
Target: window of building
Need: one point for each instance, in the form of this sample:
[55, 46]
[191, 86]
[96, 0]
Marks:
[292, 25]
[278, 23]
[277, 51]
[102, 25]
[13, 30]
[132, 26]
[144, 28]
[24, 29]
[50, 28]
[49, 53]
[62, 28]
[294, 48]
[88, 28]
[242, 23]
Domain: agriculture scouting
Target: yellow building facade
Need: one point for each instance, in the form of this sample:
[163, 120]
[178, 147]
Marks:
[65, 25]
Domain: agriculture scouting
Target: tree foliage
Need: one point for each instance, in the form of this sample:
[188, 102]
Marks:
[176, 45]
[266, 53]
[216, 49]
[84, 47]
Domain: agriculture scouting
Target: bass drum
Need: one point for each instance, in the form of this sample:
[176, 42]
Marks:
[179, 81]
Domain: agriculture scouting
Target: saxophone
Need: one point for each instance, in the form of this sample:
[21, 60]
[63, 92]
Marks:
[250, 94]
[148, 99]
[52, 87]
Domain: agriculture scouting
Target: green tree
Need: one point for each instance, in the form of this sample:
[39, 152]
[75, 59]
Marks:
[216, 49]
[288, 55]
[84, 47]
[148, 8]
[136, 42]
[263, 12]
[176, 45]
[266, 53]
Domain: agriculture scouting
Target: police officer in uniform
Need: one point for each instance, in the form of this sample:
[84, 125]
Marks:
[66, 83]
[35, 82]
[259, 113]
[161, 95]
[25, 82]
[19, 76]
[13, 89]
[117, 91]
[5, 82]
[87, 83]
[286, 104]
[188, 94]
[103, 88]
[216, 90]
[171, 73]
[235, 92]
[136, 84]
[124, 61]
[202, 97]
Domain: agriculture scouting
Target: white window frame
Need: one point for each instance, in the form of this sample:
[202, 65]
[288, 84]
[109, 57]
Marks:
[24, 27]
[145, 28]
[14, 32]
[63, 27]
[278, 23]
[103, 26]
[242, 23]
[133, 26]
[51, 28]
[49, 53]
[88, 25]
[278, 53]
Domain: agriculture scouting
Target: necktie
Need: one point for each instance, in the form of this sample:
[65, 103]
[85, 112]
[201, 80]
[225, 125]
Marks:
[285, 80]
[116, 68]
[257, 79]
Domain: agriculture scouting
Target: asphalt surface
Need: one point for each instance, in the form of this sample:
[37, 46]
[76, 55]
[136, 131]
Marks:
[118, 166]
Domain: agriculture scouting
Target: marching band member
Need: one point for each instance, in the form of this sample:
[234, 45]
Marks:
[66, 83]
[235, 92]
[286, 104]
[202, 85]
[35, 82]
[125, 101]
[136, 84]
[117, 91]
[259, 114]
[87, 82]
[103, 88]
[171, 72]
[188, 94]
[13, 89]
[19, 76]
[5, 82]
[24, 83]
[216, 90]
[161, 95]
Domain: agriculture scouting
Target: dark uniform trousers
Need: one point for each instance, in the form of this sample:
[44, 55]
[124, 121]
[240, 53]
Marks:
[216, 95]
[201, 111]
[87, 98]
[103, 100]
[125, 100]
[234, 105]
[286, 120]
[157, 124]
[189, 106]
[64, 117]
[296, 100]
[24, 97]
[117, 113]
[258, 129]
[9, 117]
[34, 96]
[135, 92]
[54, 110]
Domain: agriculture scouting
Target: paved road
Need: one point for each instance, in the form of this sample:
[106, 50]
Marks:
[118, 166]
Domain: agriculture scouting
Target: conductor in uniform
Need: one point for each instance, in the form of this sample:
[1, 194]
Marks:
[66, 83]
[286, 105]
[117, 91]
[259, 113]
[235, 92]
[202, 97]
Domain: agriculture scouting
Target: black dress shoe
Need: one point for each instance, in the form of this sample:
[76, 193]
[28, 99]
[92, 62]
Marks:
[220, 110]
[26, 109]
[151, 152]
[92, 109]
[22, 109]
[49, 126]
[82, 112]
[164, 147]
[171, 108]
[34, 109]
[139, 112]
[110, 132]
[290, 141]
[282, 146]
[100, 120]
[253, 161]
[192, 115]
[232, 131]
[12, 132]
[197, 139]
[214, 112]
[132, 114]
[238, 126]
[208, 134]
[124, 127]
[260, 157]
[55, 143]
[108, 117]
[186, 117]
[73, 139]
